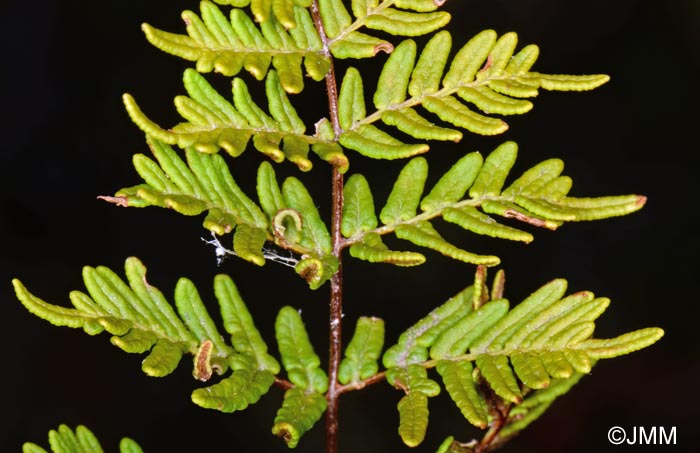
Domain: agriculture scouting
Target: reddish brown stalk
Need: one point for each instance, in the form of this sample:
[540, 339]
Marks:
[362, 384]
[283, 383]
[336, 314]
[336, 299]
[501, 410]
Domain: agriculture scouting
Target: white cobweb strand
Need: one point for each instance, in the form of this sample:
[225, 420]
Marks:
[269, 254]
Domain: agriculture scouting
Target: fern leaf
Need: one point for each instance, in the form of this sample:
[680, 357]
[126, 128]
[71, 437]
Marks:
[496, 337]
[535, 404]
[358, 214]
[298, 356]
[624, 344]
[315, 235]
[363, 351]
[214, 123]
[412, 345]
[65, 440]
[545, 336]
[405, 195]
[485, 73]
[393, 81]
[205, 183]
[454, 341]
[202, 183]
[335, 17]
[413, 407]
[452, 186]
[377, 144]
[413, 418]
[299, 412]
[358, 45]
[215, 43]
[351, 100]
[493, 173]
[500, 377]
[471, 219]
[248, 243]
[269, 192]
[540, 347]
[141, 320]
[472, 188]
[397, 22]
[347, 42]
[425, 236]
[372, 249]
[236, 392]
[238, 322]
[460, 384]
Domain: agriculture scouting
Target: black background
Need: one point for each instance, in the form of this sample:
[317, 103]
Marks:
[66, 139]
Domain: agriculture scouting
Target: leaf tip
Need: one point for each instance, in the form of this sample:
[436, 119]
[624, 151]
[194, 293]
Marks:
[287, 433]
[384, 46]
[119, 201]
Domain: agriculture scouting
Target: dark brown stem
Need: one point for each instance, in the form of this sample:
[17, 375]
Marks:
[336, 300]
[502, 411]
[336, 315]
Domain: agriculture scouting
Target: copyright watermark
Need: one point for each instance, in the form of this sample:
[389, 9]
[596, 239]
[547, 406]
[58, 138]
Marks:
[642, 435]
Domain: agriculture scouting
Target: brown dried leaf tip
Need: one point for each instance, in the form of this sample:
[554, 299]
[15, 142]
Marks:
[119, 201]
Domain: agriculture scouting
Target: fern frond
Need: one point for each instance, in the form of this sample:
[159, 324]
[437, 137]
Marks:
[214, 123]
[543, 345]
[299, 359]
[299, 412]
[204, 183]
[484, 73]
[229, 46]
[65, 440]
[141, 320]
[363, 351]
[304, 404]
[412, 18]
[405, 371]
[262, 9]
[535, 404]
[470, 190]
[413, 406]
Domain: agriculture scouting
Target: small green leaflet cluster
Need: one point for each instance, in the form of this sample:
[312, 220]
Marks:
[286, 37]
[287, 216]
[527, 356]
[538, 197]
[286, 40]
[303, 404]
[542, 346]
[519, 416]
[485, 72]
[64, 440]
[141, 320]
[347, 42]
[213, 123]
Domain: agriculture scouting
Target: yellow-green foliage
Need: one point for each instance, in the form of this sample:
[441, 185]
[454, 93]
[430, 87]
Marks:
[487, 355]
